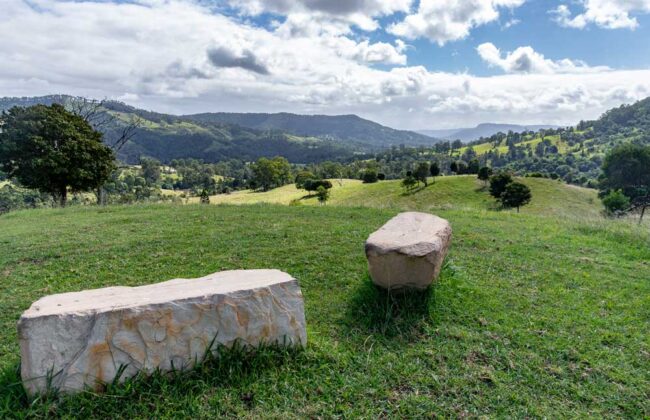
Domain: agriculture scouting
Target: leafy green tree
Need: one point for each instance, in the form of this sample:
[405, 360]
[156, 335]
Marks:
[271, 173]
[409, 182]
[205, 197]
[302, 177]
[453, 167]
[370, 176]
[421, 172]
[314, 184]
[616, 202]
[323, 194]
[150, 170]
[498, 184]
[516, 195]
[52, 150]
[627, 168]
[484, 174]
[434, 169]
[473, 166]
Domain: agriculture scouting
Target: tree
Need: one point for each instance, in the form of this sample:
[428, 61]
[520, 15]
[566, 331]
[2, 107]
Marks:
[370, 176]
[381, 176]
[516, 195]
[150, 170]
[421, 172]
[434, 169]
[314, 184]
[616, 202]
[205, 198]
[323, 194]
[53, 150]
[627, 168]
[473, 166]
[484, 174]
[409, 182]
[498, 184]
[302, 177]
[461, 167]
[271, 173]
[454, 166]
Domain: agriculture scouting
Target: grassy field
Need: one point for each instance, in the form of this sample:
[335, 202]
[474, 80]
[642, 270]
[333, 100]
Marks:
[451, 192]
[533, 316]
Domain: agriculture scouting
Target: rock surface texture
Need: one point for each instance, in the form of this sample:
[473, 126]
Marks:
[82, 339]
[408, 251]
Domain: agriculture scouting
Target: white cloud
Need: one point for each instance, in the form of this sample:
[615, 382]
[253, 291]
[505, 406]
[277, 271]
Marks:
[610, 14]
[156, 55]
[527, 60]
[357, 12]
[442, 21]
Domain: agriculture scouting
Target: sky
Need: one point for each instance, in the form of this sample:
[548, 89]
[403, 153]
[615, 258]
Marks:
[412, 64]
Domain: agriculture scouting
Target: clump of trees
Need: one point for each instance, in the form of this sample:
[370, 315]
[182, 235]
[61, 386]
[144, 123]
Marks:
[271, 173]
[509, 193]
[52, 150]
[625, 181]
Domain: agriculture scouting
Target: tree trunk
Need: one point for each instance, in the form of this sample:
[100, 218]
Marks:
[642, 213]
[63, 197]
[101, 196]
[517, 209]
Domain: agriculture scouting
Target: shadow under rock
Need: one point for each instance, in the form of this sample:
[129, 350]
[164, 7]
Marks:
[400, 315]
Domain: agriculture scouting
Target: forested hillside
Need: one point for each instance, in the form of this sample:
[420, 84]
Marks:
[345, 128]
[221, 136]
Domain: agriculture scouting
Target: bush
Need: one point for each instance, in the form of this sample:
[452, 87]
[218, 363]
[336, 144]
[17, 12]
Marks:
[616, 203]
[381, 176]
[370, 176]
[323, 194]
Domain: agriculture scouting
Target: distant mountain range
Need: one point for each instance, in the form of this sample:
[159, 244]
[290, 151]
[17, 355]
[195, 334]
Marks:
[345, 128]
[481, 130]
[218, 136]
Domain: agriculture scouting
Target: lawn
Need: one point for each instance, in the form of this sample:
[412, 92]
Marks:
[533, 316]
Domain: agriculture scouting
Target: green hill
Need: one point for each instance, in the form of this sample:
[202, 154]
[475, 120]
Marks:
[533, 316]
[450, 192]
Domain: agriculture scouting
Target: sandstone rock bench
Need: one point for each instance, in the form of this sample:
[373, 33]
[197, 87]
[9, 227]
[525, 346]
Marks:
[408, 251]
[82, 339]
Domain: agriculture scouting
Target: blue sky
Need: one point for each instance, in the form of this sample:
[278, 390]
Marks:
[406, 63]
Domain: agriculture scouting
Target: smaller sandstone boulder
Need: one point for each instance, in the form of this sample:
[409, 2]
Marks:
[408, 251]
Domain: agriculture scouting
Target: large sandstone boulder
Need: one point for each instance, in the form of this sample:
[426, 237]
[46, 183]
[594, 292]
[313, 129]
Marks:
[82, 339]
[408, 251]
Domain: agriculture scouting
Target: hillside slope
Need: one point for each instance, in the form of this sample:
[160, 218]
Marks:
[550, 198]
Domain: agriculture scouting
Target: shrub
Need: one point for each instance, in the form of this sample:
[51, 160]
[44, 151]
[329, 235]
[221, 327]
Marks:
[381, 176]
[616, 203]
[323, 194]
[370, 176]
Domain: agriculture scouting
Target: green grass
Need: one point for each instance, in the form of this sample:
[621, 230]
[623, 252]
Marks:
[452, 192]
[533, 316]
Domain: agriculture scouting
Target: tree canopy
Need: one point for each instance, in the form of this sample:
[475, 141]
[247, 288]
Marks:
[53, 150]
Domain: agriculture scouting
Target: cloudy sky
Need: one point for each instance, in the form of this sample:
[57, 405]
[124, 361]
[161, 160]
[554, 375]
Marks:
[407, 63]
